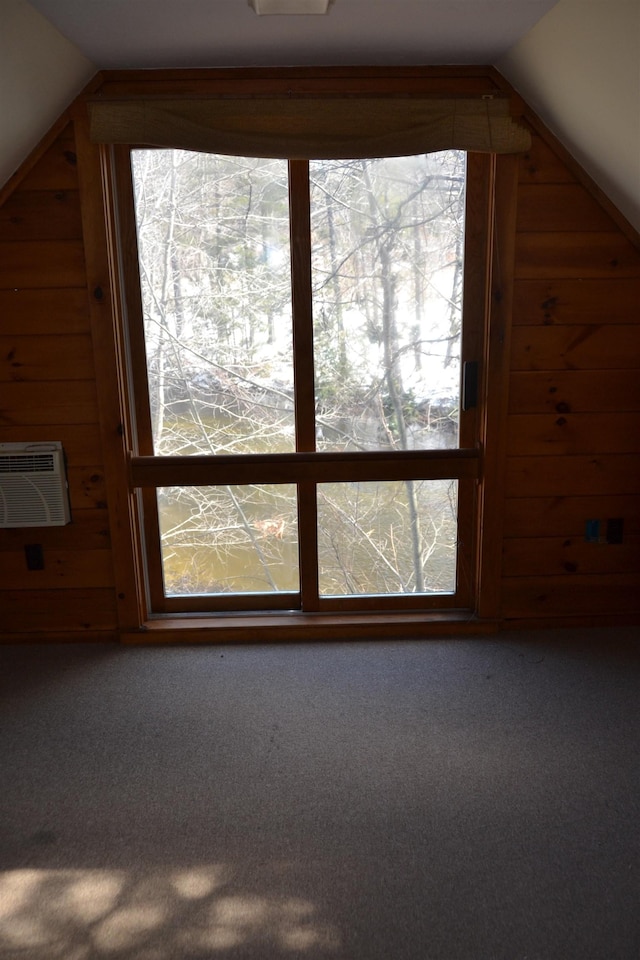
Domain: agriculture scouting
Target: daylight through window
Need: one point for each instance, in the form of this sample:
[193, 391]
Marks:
[303, 339]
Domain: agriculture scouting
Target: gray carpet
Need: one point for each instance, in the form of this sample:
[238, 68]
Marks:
[438, 800]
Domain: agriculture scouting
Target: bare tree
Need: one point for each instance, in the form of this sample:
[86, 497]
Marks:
[387, 273]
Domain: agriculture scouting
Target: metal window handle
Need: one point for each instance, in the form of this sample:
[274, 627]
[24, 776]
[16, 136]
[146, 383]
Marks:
[470, 384]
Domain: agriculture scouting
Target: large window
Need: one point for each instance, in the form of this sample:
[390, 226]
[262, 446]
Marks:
[298, 337]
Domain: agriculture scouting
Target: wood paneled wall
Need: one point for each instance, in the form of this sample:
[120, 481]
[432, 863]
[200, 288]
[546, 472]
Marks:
[573, 445]
[48, 392]
[574, 404]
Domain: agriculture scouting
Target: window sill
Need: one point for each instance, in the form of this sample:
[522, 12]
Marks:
[300, 627]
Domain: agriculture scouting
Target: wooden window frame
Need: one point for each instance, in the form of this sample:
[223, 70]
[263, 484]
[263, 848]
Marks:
[488, 290]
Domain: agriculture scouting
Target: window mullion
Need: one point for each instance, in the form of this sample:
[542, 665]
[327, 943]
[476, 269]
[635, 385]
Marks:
[304, 374]
[300, 226]
[308, 547]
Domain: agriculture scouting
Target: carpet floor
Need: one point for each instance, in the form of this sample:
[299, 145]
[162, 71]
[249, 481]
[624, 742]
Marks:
[471, 799]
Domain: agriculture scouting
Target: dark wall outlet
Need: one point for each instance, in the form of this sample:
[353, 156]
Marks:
[592, 531]
[35, 556]
[615, 530]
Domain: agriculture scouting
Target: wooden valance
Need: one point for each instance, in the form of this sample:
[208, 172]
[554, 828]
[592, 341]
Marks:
[312, 128]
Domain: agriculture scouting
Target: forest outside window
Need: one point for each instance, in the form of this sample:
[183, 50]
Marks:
[299, 342]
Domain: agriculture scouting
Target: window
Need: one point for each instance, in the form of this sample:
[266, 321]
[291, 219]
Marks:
[298, 333]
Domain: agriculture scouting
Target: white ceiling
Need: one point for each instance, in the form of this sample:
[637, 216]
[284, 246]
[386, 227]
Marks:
[208, 33]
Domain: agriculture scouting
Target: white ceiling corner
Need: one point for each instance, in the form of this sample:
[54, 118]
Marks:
[208, 33]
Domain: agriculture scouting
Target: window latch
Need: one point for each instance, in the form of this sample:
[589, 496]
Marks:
[470, 384]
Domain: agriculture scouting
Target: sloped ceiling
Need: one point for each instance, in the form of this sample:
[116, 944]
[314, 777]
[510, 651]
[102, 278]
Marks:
[203, 33]
[579, 69]
[577, 62]
[40, 74]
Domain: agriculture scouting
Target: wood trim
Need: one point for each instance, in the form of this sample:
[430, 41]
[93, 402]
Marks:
[308, 468]
[265, 81]
[259, 73]
[473, 348]
[132, 310]
[221, 604]
[135, 374]
[66, 636]
[608, 620]
[104, 301]
[300, 467]
[268, 604]
[301, 627]
[496, 385]
[363, 603]
[308, 545]
[302, 306]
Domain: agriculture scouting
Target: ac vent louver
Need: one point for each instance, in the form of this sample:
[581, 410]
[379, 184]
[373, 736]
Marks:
[33, 485]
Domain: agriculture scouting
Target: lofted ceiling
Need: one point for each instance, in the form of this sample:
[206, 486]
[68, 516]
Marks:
[576, 62]
[206, 33]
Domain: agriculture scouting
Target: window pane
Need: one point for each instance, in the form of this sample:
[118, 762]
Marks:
[387, 537]
[387, 250]
[233, 539]
[213, 239]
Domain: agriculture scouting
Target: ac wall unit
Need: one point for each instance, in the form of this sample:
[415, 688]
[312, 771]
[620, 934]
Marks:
[33, 485]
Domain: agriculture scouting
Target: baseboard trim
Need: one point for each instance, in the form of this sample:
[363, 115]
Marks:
[301, 628]
[554, 623]
[67, 636]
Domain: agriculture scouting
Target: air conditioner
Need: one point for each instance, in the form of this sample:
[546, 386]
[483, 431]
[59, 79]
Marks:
[33, 485]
